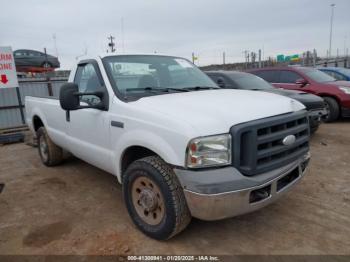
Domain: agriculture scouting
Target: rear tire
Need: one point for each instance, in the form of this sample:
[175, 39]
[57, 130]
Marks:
[333, 109]
[155, 199]
[46, 65]
[49, 152]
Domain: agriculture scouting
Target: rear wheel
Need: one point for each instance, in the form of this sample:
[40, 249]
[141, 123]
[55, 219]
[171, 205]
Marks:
[49, 152]
[154, 198]
[46, 65]
[332, 108]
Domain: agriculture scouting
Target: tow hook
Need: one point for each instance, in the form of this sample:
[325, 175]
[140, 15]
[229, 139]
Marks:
[260, 194]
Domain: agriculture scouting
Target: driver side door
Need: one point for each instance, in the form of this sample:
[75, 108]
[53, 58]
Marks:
[88, 129]
[288, 79]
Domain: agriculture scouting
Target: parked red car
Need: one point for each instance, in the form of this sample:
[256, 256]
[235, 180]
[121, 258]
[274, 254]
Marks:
[335, 93]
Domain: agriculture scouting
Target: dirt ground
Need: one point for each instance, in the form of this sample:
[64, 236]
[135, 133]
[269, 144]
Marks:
[76, 208]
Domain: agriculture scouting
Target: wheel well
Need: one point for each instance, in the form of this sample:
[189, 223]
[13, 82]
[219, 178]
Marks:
[37, 123]
[334, 97]
[134, 153]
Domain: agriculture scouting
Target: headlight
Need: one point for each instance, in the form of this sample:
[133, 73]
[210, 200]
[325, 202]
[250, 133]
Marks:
[345, 89]
[209, 151]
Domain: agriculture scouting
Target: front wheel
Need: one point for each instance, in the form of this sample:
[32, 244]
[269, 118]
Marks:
[332, 108]
[154, 198]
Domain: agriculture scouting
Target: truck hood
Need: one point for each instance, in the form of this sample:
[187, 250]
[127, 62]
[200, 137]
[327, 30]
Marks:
[310, 101]
[216, 111]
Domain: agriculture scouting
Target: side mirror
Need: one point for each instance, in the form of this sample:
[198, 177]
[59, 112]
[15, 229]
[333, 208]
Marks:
[302, 82]
[221, 83]
[68, 98]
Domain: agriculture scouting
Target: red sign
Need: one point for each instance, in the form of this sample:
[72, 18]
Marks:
[4, 79]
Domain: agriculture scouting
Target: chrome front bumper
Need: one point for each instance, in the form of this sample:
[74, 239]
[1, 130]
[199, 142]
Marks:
[232, 203]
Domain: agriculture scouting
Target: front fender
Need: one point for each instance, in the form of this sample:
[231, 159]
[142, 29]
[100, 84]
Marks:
[150, 141]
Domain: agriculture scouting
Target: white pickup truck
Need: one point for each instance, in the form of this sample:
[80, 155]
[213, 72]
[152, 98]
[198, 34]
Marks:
[178, 144]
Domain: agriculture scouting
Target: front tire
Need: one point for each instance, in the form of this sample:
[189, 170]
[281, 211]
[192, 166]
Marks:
[332, 108]
[50, 153]
[155, 199]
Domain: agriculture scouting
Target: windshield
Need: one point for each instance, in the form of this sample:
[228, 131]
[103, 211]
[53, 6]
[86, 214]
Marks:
[317, 75]
[140, 75]
[344, 71]
[250, 82]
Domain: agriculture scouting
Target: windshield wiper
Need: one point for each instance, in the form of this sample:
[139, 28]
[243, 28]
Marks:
[157, 89]
[197, 88]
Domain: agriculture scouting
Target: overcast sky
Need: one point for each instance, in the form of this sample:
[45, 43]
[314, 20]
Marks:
[177, 27]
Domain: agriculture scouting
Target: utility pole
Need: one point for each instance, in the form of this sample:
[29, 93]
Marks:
[345, 42]
[314, 57]
[111, 44]
[259, 58]
[337, 58]
[223, 58]
[253, 57]
[194, 58]
[246, 58]
[46, 61]
[331, 32]
[55, 43]
[263, 53]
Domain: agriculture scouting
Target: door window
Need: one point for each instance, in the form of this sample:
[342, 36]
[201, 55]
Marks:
[32, 54]
[269, 76]
[88, 81]
[21, 53]
[289, 77]
[18, 53]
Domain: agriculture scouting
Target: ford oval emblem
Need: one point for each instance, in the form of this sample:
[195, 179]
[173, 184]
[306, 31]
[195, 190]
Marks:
[289, 140]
